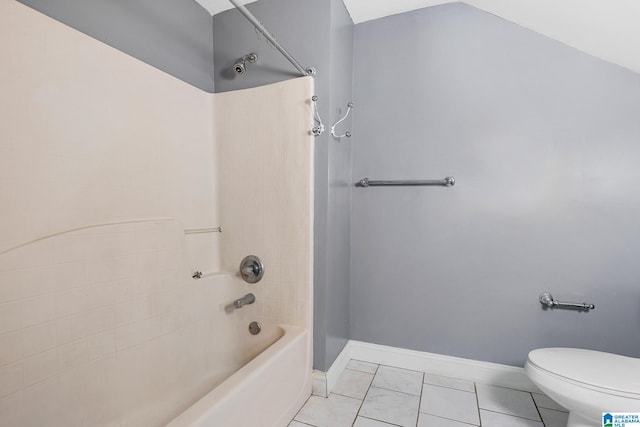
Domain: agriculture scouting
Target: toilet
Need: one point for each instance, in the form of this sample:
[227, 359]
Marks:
[587, 383]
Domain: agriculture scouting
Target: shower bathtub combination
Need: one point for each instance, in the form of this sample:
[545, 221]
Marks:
[103, 319]
[268, 391]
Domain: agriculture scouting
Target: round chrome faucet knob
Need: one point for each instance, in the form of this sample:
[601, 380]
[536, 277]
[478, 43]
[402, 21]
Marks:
[251, 269]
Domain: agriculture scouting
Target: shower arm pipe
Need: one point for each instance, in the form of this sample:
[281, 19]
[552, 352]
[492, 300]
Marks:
[254, 21]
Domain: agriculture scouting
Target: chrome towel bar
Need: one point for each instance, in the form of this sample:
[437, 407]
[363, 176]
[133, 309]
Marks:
[547, 300]
[448, 181]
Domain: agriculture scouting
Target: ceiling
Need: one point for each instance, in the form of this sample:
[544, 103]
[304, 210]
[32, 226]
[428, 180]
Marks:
[607, 29]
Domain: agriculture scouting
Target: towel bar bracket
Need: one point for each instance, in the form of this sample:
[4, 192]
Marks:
[547, 300]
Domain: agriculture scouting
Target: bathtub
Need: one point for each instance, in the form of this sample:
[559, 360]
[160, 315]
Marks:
[266, 392]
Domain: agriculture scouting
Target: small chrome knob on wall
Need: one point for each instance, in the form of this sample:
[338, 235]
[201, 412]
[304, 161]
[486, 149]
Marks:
[251, 269]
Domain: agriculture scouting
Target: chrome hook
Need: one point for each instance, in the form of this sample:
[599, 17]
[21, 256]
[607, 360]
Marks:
[333, 128]
[319, 129]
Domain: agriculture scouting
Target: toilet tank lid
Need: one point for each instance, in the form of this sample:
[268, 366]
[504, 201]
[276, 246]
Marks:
[593, 368]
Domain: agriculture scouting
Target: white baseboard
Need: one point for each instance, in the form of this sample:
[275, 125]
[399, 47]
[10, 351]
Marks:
[323, 382]
[319, 383]
[450, 366]
[338, 366]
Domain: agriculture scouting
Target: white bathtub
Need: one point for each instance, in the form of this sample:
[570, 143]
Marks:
[266, 392]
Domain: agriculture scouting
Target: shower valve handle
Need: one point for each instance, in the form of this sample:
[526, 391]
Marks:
[251, 269]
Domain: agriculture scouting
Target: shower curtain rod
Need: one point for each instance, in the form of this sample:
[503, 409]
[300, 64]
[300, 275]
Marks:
[247, 14]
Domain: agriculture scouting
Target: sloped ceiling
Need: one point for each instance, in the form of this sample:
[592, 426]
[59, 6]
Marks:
[607, 29]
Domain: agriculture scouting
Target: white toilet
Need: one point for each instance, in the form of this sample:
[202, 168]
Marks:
[586, 382]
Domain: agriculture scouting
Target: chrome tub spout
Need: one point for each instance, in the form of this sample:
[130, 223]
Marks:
[247, 299]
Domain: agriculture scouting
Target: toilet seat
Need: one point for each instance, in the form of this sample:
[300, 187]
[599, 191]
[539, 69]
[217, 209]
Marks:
[616, 375]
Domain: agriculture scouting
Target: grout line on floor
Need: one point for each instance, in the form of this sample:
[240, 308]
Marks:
[380, 421]
[475, 391]
[395, 391]
[404, 369]
[420, 400]
[501, 386]
[554, 410]
[451, 388]
[450, 419]
[365, 396]
[303, 405]
[537, 408]
[516, 416]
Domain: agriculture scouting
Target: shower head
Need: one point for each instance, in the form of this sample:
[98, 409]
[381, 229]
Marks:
[240, 66]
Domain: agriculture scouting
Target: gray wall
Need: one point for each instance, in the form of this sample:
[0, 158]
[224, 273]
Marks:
[544, 142]
[336, 314]
[174, 36]
[319, 34]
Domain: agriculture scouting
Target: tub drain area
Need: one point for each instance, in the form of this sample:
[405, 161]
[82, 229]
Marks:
[254, 328]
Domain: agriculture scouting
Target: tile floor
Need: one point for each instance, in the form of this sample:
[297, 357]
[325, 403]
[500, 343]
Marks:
[369, 395]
